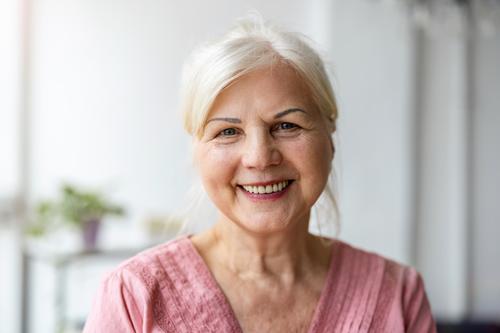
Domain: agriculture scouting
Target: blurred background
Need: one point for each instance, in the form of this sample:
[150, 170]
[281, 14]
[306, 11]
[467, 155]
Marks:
[91, 138]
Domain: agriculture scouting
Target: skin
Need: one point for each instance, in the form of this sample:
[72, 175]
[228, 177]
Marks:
[265, 127]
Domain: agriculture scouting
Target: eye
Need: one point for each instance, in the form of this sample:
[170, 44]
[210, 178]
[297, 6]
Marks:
[285, 126]
[227, 132]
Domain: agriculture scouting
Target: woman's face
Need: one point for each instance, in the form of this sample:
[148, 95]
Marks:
[265, 153]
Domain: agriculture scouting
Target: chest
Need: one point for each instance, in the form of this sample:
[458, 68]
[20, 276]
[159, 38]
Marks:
[275, 320]
[273, 310]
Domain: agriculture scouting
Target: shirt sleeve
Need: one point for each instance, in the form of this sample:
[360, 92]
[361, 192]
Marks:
[114, 309]
[417, 311]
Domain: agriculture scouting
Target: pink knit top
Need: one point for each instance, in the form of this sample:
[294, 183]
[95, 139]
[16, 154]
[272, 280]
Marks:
[169, 288]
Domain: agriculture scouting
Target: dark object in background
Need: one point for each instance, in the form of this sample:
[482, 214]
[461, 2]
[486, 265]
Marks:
[468, 328]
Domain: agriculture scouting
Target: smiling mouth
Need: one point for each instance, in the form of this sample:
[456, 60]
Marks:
[268, 188]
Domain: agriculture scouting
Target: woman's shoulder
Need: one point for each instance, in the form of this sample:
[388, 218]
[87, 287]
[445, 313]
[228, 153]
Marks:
[352, 255]
[157, 262]
[358, 259]
[171, 248]
[386, 273]
[392, 292]
[145, 288]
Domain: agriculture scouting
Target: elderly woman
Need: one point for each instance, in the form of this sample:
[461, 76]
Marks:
[262, 112]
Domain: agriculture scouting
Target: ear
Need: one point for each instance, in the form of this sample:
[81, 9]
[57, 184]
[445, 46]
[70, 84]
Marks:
[332, 125]
[332, 146]
[331, 131]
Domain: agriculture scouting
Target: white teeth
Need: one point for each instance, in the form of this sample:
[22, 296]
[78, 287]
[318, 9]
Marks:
[271, 188]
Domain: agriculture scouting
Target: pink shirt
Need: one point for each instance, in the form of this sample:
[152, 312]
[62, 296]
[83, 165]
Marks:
[169, 288]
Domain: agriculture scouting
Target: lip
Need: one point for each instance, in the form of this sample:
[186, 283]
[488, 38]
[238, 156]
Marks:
[256, 197]
[266, 183]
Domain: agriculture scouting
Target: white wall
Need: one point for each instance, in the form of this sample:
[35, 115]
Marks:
[442, 207]
[486, 176]
[369, 50]
[9, 280]
[10, 46]
[10, 75]
[458, 220]
[373, 47]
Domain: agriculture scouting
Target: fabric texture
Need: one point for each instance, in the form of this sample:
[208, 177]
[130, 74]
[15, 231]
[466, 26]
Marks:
[169, 288]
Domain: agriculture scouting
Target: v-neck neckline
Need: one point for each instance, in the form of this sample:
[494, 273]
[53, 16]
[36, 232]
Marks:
[225, 306]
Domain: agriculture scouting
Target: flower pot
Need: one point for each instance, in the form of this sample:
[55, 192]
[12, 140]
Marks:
[90, 233]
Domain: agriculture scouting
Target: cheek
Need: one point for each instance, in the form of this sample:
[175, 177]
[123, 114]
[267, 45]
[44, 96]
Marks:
[314, 158]
[215, 166]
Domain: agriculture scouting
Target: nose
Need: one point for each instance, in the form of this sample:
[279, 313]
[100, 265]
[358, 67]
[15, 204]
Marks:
[260, 151]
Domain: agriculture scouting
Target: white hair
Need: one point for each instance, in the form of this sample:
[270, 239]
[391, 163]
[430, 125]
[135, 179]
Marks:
[254, 44]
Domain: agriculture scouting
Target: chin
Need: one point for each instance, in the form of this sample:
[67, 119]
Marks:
[265, 225]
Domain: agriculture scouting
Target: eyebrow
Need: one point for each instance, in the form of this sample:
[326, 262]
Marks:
[227, 119]
[284, 113]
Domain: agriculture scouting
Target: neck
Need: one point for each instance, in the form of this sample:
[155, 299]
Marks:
[287, 255]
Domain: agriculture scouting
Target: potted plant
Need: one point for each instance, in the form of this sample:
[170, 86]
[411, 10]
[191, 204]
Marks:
[75, 207]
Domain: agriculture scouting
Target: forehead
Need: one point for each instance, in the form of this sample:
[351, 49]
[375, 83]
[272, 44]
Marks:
[266, 90]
